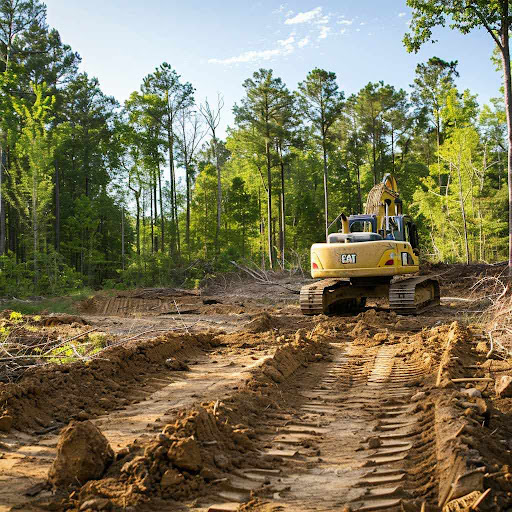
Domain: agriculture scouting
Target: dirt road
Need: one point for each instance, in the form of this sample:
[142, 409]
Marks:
[252, 406]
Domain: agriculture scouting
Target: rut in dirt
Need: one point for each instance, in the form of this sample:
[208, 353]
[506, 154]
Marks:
[357, 438]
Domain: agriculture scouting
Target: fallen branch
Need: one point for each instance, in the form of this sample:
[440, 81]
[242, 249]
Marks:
[67, 340]
[266, 281]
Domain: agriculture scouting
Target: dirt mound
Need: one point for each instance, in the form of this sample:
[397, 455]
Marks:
[457, 278]
[204, 442]
[83, 453]
[159, 293]
[49, 395]
[456, 355]
[370, 322]
[60, 319]
[260, 323]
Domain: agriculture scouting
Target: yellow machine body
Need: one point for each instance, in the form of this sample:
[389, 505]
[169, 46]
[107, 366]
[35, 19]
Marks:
[364, 257]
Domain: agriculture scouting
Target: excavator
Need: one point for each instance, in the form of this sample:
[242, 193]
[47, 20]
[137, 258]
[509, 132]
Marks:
[370, 258]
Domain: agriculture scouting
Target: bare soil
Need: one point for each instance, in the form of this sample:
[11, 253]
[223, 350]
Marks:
[230, 399]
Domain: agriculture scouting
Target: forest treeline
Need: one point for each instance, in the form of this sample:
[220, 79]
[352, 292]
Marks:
[145, 193]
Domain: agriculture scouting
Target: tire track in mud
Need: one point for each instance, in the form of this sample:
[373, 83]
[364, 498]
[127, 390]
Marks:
[155, 402]
[356, 440]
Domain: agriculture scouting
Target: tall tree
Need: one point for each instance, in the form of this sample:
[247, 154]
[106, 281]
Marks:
[266, 98]
[174, 96]
[493, 16]
[432, 83]
[212, 118]
[17, 16]
[31, 190]
[189, 137]
[322, 102]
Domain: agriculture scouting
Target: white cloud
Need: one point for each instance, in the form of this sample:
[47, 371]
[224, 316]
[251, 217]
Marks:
[345, 22]
[283, 47]
[362, 23]
[303, 42]
[401, 14]
[250, 56]
[305, 17]
[287, 42]
[324, 32]
[358, 30]
[322, 21]
[343, 30]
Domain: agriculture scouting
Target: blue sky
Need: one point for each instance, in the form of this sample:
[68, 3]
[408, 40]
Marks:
[217, 44]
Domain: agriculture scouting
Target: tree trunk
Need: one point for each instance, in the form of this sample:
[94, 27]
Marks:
[374, 152]
[161, 209]
[269, 205]
[172, 181]
[326, 196]
[187, 225]
[283, 210]
[505, 56]
[122, 237]
[151, 217]
[137, 221]
[2, 202]
[57, 207]
[219, 195]
[262, 231]
[438, 139]
[155, 203]
[463, 213]
[34, 225]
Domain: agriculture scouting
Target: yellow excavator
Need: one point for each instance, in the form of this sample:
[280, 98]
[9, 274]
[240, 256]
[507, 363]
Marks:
[369, 258]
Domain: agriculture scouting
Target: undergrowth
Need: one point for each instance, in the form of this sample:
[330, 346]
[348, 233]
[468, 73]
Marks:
[64, 304]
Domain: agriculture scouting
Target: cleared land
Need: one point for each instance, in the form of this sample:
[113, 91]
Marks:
[230, 399]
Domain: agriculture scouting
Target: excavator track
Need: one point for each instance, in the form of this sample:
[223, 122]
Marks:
[313, 296]
[329, 296]
[414, 295]
[408, 296]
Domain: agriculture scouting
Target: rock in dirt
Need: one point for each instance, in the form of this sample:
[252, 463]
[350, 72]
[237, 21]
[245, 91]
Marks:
[82, 415]
[221, 461]
[503, 386]
[83, 453]
[96, 504]
[467, 483]
[483, 347]
[472, 392]
[6, 423]
[176, 365]
[374, 442]
[185, 454]
[170, 478]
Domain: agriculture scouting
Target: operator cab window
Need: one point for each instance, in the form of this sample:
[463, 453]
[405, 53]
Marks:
[361, 226]
[411, 234]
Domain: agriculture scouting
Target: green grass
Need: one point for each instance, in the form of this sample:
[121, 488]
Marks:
[64, 304]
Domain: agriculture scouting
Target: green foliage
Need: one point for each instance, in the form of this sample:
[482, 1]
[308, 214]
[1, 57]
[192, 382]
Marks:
[55, 277]
[93, 194]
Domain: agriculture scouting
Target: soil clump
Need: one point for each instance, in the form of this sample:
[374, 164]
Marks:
[83, 454]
